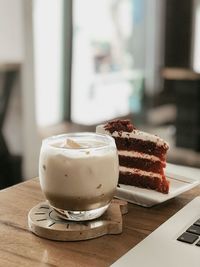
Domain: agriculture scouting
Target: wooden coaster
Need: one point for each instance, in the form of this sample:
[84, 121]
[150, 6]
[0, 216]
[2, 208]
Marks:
[44, 222]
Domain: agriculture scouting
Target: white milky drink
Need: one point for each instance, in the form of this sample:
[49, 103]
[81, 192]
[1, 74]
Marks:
[79, 174]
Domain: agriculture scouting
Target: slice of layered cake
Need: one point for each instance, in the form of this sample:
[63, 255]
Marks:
[142, 156]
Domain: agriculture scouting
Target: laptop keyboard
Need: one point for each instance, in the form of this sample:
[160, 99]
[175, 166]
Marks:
[192, 234]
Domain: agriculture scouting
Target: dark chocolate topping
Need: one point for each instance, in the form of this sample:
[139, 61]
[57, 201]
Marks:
[119, 125]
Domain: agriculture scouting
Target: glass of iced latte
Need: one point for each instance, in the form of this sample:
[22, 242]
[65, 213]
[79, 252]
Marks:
[78, 174]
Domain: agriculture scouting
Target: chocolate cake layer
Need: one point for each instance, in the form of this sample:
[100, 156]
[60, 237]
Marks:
[135, 179]
[119, 125]
[142, 164]
[147, 147]
[142, 156]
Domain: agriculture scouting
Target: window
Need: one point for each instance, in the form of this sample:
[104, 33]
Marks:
[108, 59]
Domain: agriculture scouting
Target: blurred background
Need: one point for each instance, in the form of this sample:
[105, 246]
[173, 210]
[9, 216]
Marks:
[69, 65]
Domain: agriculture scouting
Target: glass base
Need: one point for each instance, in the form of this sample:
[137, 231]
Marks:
[80, 215]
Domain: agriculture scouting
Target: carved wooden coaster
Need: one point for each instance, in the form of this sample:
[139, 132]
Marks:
[44, 222]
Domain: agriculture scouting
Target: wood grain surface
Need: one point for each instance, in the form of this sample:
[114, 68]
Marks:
[179, 74]
[20, 247]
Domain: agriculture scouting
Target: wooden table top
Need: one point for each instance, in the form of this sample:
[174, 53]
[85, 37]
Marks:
[20, 247]
[9, 66]
[180, 74]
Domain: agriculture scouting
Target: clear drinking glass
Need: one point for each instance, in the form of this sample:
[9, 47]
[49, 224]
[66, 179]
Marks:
[78, 174]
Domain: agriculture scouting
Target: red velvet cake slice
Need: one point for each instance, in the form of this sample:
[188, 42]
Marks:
[142, 156]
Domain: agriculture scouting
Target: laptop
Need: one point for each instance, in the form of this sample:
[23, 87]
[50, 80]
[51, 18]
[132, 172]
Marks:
[175, 243]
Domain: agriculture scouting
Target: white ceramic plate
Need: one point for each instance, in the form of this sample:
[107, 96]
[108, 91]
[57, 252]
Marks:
[148, 198]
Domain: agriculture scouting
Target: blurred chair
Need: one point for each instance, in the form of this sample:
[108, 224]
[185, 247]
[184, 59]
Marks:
[10, 165]
[186, 86]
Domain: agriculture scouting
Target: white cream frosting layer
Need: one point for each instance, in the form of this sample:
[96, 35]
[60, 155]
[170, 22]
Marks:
[134, 134]
[135, 154]
[132, 170]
